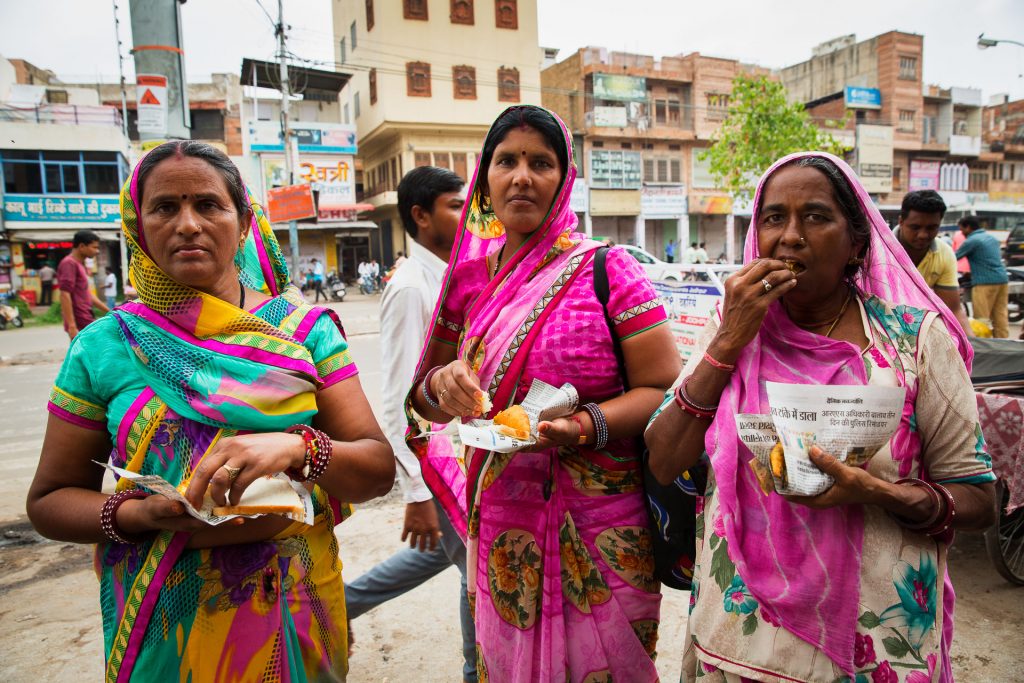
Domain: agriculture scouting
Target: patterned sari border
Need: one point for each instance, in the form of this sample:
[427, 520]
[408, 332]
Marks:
[74, 419]
[340, 375]
[128, 422]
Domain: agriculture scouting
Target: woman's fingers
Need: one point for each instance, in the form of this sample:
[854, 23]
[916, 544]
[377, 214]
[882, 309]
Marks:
[457, 390]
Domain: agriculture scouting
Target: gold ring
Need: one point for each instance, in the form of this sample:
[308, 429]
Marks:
[767, 286]
[440, 397]
[233, 472]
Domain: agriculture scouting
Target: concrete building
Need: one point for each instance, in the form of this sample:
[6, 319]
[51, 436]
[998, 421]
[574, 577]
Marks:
[640, 125]
[905, 135]
[1003, 133]
[63, 159]
[430, 78]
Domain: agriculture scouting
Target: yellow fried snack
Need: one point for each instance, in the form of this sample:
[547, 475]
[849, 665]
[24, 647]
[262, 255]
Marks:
[764, 477]
[514, 422]
[485, 403]
[778, 462]
[794, 267]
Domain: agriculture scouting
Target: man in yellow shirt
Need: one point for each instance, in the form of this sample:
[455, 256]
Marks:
[920, 217]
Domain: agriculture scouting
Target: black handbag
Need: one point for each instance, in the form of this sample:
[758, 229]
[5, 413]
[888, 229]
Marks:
[672, 509]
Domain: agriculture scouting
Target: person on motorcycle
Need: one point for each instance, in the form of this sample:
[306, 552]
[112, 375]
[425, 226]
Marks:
[920, 217]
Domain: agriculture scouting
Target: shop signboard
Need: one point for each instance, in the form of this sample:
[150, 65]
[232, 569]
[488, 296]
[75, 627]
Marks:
[663, 201]
[863, 98]
[333, 177]
[924, 175]
[290, 203]
[711, 204]
[82, 208]
[620, 88]
[579, 200]
[317, 138]
[615, 169]
[874, 157]
[688, 307]
[151, 90]
[610, 117]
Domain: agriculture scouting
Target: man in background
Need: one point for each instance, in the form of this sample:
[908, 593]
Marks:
[670, 251]
[76, 294]
[989, 282]
[110, 288]
[430, 203]
[318, 280]
[46, 275]
[920, 217]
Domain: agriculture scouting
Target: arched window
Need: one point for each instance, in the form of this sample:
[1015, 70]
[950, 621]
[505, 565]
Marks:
[417, 79]
[464, 82]
[506, 15]
[462, 12]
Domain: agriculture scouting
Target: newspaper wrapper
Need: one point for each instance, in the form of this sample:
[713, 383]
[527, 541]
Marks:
[159, 485]
[543, 402]
[851, 423]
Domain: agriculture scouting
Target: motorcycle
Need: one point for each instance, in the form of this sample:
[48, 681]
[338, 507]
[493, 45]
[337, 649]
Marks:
[367, 285]
[335, 287]
[9, 314]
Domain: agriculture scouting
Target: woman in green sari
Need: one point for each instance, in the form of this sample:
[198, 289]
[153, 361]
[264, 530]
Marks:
[219, 375]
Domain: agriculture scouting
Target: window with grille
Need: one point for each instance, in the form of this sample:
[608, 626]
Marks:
[462, 12]
[442, 160]
[369, 15]
[207, 124]
[373, 86]
[352, 34]
[460, 164]
[422, 159]
[906, 120]
[908, 68]
[417, 79]
[508, 84]
[505, 14]
[415, 9]
[464, 82]
[718, 105]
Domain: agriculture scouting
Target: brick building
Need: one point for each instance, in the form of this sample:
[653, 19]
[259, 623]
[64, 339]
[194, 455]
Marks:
[639, 126]
[1003, 133]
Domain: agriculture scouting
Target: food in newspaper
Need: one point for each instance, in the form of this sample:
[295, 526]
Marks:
[265, 496]
[777, 458]
[514, 422]
[764, 476]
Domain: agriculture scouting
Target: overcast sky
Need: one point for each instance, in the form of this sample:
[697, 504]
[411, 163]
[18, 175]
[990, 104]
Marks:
[75, 38]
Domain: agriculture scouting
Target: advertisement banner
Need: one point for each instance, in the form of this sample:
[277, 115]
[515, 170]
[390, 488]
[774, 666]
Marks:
[290, 203]
[319, 138]
[610, 117]
[663, 201]
[688, 307]
[333, 177]
[151, 90]
[620, 88]
[924, 175]
[579, 200]
[863, 98]
[711, 204]
[83, 208]
[874, 157]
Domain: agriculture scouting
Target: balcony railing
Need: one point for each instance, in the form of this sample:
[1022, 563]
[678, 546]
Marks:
[65, 114]
[641, 115]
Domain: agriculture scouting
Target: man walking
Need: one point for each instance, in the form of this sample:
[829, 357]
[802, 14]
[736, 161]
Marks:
[76, 297]
[46, 275]
[989, 283]
[920, 217]
[430, 203]
[670, 251]
[318, 280]
[110, 288]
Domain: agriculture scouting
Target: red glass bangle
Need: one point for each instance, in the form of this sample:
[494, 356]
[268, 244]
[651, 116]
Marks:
[108, 515]
[687, 405]
[726, 367]
[937, 508]
[943, 525]
[319, 449]
[582, 440]
[428, 395]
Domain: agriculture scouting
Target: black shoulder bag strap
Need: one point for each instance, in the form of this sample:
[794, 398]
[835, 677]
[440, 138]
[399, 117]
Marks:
[603, 293]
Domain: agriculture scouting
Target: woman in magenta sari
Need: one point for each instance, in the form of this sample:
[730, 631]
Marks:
[850, 584]
[562, 582]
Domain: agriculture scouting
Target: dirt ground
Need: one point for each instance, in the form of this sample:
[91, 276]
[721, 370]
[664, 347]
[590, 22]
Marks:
[50, 623]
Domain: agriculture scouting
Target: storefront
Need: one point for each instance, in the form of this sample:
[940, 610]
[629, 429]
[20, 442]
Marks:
[40, 230]
[665, 219]
[709, 222]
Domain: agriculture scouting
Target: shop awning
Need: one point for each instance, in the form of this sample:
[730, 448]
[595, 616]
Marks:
[61, 235]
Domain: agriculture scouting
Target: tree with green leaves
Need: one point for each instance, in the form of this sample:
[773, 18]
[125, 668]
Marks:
[761, 127]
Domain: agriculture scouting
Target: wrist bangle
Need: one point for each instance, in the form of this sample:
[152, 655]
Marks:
[108, 516]
[600, 425]
[582, 440]
[940, 527]
[725, 367]
[319, 449]
[427, 394]
[690, 407]
[943, 509]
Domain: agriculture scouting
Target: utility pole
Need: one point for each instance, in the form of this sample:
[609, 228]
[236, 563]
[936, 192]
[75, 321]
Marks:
[120, 71]
[286, 134]
[157, 49]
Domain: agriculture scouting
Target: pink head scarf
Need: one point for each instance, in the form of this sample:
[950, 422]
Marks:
[803, 565]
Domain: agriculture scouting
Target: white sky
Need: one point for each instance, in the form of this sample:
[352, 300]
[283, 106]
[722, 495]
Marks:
[75, 38]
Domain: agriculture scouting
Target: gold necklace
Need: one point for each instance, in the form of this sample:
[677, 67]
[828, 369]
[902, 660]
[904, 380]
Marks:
[831, 323]
[497, 261]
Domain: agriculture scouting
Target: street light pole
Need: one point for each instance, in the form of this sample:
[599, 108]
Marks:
[984, 43]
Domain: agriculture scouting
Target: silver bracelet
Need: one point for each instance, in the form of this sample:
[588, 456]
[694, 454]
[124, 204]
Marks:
[600, 425]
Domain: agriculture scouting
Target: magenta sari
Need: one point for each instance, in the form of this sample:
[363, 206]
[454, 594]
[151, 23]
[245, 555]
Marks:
[561, 570]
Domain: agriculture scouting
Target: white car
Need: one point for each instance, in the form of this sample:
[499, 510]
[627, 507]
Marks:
[657, 269]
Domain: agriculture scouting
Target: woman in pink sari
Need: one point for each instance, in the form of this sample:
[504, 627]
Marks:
[562, 582]
[850, 584]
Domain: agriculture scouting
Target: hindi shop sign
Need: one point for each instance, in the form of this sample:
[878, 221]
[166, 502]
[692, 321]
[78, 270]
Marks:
[663, 201]
[924, 175]
[333, 177]
[33, 208]
[689, 306]
[290, 203]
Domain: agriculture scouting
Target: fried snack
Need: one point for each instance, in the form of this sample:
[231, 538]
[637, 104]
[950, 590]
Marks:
[485, 403]
[778, 462]
[794, 267]
[764, 477]
[513, 422]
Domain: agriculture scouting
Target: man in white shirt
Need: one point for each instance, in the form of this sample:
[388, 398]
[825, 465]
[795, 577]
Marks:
[430, 203]
[110, 289]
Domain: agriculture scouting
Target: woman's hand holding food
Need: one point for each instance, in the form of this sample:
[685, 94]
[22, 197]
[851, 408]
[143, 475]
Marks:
[237, 461]
[564, 431]
[748, 294]
[457, 389]
[155, 513]
[853, 485]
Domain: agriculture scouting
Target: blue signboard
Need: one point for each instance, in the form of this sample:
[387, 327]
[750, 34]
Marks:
[863, 98]
[84, 208]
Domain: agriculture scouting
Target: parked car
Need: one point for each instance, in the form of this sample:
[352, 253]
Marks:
[1013, 248]
[657, 269]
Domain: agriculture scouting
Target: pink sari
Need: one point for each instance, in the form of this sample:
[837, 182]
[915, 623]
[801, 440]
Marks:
[561, 571]
[806, 563]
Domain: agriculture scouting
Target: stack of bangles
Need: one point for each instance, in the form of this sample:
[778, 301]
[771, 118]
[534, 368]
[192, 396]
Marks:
[600, 424]
[319, 449]
[943, 505]
[691, 407]
[433, 402]
[108, 515]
